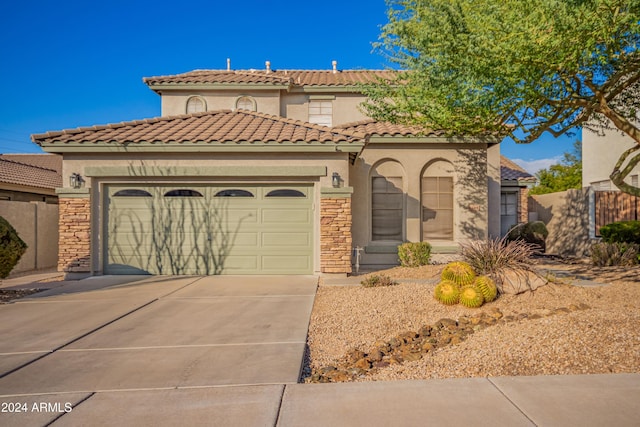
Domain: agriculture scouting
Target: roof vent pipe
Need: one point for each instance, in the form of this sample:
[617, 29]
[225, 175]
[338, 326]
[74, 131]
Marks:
[334, 64]
[268, 66]
[228, 64]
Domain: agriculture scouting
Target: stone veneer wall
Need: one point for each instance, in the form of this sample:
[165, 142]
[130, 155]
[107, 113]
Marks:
[74, 247]
[335, 235]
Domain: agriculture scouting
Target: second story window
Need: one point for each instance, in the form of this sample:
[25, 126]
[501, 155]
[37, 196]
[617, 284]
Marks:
[246, 103]
[321, 112]
[196, 104]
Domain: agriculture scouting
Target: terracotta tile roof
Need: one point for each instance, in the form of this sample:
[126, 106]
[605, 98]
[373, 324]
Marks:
[33, 170]
[274, 77]
[207, 127]
[510, 171]
[371, 127]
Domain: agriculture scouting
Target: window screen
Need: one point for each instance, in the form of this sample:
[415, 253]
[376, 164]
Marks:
[321, 112]
[437, 208]
[386, 208]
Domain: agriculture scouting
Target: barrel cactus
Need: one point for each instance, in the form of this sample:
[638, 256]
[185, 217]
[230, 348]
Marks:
[459, 272]
[487, 286]
[447, 292]
[471, 296]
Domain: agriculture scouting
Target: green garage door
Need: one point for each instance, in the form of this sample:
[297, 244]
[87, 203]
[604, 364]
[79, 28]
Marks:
[203, 230]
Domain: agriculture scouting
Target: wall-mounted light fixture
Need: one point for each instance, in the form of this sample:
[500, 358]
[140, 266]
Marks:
[76, 181]
[335, 180]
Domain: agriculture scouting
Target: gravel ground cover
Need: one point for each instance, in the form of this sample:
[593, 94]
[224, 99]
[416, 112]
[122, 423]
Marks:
[543, 337]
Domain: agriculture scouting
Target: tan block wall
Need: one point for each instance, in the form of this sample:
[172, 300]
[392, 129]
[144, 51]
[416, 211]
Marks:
[74, 248]
[335, 235]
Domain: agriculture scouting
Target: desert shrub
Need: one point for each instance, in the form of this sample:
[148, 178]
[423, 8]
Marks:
[11, 248]
[610, 254]
[492, 255]
[534, 232]
[378, 280]
[621, 232]
[414, 254]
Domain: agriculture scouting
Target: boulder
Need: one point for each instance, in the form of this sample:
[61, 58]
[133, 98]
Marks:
[515, 281]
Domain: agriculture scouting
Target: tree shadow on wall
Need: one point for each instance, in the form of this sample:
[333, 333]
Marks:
[566, 215]
[176, 230]
[473, 194]
[179, 236]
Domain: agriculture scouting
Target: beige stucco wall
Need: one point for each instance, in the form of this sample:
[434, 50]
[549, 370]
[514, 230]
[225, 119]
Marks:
[293, 105]
[600, 154]
[37, 225]
[175, 102]
[566, 215]
[469, 165]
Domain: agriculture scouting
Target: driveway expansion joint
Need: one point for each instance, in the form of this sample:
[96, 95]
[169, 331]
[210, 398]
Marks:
[511, 401]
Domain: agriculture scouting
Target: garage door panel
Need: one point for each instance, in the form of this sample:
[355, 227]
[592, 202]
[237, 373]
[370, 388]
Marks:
[284, 240]
[245, 240]
[208, 234]
[241, 263]
[293, 216]
[278, 264]
[236, 216]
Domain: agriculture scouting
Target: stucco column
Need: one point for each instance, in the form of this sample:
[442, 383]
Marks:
[74, 224]
[335, 230]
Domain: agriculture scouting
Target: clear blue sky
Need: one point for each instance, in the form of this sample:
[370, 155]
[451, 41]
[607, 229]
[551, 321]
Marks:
[65, 64]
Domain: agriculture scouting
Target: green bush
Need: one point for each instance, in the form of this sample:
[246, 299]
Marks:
[621, 232]
[414, 254]
[614, 254]
[378, 280]
[534, 232]
[11, 248]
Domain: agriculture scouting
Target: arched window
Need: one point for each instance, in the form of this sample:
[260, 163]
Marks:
[183, 193]
[132, 192]
[234, 193]
[437, 201]
[387, 202]
[285, 192]
[246, 103]
[196, 104]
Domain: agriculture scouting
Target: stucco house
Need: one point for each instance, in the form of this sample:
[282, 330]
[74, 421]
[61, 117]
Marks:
[600, 153]
[266, 172]
[514, 194]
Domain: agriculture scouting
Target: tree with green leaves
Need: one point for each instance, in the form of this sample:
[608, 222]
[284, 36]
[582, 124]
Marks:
[561, 176]
[514, 67]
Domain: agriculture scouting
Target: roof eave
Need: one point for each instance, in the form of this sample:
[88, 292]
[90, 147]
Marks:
[158, 88]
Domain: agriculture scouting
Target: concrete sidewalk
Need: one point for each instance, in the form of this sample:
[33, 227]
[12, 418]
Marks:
[584, 400]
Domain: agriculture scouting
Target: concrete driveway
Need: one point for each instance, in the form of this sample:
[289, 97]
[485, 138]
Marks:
[153, 334]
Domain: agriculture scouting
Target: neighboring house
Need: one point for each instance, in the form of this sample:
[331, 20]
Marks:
[30, 177]
[28, 200]
[266, 172]
[600, 153]
[514, 194]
